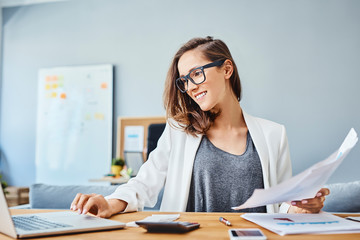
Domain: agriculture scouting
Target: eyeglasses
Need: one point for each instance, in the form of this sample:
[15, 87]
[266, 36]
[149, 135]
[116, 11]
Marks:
[196, 76]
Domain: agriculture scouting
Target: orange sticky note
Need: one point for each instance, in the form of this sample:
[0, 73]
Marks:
[63, 95]
[104, 85]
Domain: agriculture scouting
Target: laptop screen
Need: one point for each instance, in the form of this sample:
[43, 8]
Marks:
[6, 225]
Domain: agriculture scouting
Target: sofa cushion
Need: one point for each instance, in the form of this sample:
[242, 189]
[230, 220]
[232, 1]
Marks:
[344, 197]
[60, 197]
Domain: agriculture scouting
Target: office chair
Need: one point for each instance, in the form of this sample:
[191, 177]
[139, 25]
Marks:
[154, 133]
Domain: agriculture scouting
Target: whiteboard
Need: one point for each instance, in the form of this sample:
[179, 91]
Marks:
[74, 124]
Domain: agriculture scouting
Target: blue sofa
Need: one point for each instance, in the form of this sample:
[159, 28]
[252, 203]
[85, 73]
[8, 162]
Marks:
[60, 197]
[344, 197]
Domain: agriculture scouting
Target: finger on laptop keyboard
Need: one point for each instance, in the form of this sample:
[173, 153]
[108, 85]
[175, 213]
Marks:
[75, 201]
[82, 201]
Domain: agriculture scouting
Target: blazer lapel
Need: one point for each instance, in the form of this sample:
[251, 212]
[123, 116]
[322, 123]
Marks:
[260, 145]
[191, 146]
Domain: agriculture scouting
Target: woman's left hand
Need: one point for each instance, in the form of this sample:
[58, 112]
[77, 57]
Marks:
[311, 205]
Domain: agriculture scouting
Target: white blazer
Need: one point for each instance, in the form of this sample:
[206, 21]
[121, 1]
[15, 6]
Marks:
[170, 165]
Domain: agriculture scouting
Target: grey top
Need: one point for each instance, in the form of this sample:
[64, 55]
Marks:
[221, 180]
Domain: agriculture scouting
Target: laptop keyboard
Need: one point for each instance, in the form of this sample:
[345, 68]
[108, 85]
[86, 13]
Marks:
[29, 223]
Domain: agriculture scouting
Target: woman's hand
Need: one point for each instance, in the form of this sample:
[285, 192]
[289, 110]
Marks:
[311, 205]
[96, 204]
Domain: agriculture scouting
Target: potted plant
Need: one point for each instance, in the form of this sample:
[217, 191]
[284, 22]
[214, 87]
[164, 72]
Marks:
[117, 165]
[3, 184]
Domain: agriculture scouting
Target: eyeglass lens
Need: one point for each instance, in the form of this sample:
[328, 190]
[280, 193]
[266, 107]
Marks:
[197, 77]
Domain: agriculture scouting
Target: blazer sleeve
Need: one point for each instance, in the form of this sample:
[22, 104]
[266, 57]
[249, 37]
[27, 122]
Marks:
[284, 168]
[144, 188]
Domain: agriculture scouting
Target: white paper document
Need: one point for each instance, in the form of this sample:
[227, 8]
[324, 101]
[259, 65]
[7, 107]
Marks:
[284, 223]
[304, 185]
[134, 139]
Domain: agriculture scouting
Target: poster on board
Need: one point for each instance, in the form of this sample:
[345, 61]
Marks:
[74, 124]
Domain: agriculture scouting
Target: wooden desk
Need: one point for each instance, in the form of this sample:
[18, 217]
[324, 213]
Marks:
[210, 228]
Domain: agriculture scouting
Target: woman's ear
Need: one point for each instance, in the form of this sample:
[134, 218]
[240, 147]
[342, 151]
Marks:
[228, 68]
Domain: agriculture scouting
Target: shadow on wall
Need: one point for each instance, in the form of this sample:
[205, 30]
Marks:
[7, 15]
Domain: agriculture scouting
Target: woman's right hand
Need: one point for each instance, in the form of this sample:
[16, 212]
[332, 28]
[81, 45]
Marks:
[97, 205]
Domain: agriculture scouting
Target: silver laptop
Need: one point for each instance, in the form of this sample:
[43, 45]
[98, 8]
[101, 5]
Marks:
[52, 223]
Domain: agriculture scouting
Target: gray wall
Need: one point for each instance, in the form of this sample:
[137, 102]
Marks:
[298, 60]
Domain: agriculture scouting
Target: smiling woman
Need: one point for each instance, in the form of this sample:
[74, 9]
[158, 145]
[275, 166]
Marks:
[211, 155]
[178, 105]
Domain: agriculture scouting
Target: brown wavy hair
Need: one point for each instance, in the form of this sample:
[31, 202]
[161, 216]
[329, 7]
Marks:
[181, 107]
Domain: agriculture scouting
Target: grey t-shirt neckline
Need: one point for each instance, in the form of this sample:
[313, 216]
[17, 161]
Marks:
[221, 180]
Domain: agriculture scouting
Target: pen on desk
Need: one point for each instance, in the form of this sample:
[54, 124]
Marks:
[224, 221]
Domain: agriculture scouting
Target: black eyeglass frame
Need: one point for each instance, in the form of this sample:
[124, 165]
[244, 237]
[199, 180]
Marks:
[187, 77]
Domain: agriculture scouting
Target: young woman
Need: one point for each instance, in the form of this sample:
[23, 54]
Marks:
[212, 155]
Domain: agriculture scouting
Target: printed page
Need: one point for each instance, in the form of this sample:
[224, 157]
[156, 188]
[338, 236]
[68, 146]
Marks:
[283, 223]
[304, 185]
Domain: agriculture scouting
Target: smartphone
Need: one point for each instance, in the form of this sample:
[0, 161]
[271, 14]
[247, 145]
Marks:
[246, 234]
[168, 227]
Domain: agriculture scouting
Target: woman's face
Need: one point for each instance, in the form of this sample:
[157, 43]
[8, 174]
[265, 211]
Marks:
[210, 94]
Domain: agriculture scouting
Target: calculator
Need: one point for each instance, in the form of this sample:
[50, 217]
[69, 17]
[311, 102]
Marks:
[169, 227]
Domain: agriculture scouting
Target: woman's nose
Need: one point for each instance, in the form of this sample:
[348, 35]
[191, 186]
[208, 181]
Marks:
[191, 86]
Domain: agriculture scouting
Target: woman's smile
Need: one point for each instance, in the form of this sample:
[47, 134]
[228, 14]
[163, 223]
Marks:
[200, 95]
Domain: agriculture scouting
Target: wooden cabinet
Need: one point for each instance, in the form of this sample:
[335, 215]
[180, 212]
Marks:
[17, 195]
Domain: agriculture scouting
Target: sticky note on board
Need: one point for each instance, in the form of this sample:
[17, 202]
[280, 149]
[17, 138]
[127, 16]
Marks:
[99, 116]
[104, 85]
